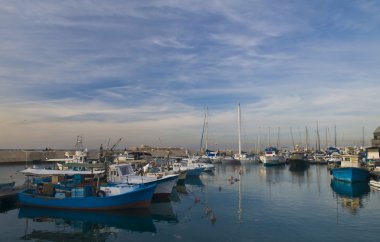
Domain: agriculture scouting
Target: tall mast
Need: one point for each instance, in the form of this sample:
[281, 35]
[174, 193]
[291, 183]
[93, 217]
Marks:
[203, 130]
[258, 141]
[291, 132]
[318, 139]
[206, 115]
[307, 139]
[363, 136]
[239, 129]
[335, 135]
[278, 138]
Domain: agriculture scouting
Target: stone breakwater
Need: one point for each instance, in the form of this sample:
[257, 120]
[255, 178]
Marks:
[22, 156]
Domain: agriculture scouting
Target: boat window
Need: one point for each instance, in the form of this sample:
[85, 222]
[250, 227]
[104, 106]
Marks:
[125, 170]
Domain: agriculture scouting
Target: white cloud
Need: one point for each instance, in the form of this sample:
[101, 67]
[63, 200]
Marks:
[149, 68]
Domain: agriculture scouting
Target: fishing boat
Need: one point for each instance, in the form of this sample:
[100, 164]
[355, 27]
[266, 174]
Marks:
[80, 155]
[213, 156]
[272, 157]
[197, 162]
[374, 183]
[123, 173]
[298, 160]
[350, 170]
[229, 160]
[182, 166]
[84, 192]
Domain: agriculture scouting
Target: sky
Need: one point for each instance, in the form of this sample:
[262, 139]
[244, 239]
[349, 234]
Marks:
[145, 71]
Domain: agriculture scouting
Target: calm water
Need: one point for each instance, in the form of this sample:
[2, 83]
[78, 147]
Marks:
[264, 204]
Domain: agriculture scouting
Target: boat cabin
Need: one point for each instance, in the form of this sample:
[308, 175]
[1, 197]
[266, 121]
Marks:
[118, 173]
[350, 161]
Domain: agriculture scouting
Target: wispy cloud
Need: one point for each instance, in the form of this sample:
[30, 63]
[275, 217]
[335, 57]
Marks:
[148, 69]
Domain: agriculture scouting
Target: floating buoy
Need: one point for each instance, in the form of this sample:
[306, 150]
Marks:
[196, 199]
[220, 188]
[208, 211]
[213, 218]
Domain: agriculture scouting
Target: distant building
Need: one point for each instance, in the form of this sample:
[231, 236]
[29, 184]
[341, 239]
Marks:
[376, 138]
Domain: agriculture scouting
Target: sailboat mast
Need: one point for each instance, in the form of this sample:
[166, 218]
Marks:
[203, 130]
[239, 129]
[318, 138]
[363, 136]
[206, 128]
[307, 139]
[291, 133]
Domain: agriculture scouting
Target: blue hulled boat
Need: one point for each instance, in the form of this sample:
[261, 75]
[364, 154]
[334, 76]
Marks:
[132, 196]
[350, 174]
[350, 170]
[84, 192]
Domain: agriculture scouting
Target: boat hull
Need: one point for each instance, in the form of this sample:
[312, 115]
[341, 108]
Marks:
[139, 197]
[298, 164]
[164, 188]
[194, 171]
[374, 183]
[230, 161]
[272, 160]
[350, 174]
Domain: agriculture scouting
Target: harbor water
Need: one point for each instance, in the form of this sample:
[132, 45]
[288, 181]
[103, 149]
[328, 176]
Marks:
[234, 203]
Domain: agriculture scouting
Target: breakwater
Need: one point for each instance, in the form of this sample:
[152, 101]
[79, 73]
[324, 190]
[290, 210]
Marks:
[22, 156]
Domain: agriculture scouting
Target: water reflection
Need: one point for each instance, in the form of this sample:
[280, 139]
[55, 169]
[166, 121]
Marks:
[272, 174]
[223, 169]
[299, 168]
[163, 212]
[350, 194]
[96, 226]
[7, 205]
[194, 181]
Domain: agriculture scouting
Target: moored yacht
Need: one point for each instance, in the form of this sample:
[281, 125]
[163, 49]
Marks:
[272, 157]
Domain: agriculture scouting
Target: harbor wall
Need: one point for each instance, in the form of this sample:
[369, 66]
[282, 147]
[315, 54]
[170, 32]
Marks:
[23, 156]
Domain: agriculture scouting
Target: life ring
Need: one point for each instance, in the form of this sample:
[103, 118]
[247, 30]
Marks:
[101, 193]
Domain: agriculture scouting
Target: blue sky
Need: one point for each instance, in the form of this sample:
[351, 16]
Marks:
[146, 70]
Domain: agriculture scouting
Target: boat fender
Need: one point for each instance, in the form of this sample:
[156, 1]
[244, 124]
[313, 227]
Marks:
[101, 193]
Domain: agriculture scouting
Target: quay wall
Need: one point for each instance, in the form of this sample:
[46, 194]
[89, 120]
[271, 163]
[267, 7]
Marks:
[22, 156]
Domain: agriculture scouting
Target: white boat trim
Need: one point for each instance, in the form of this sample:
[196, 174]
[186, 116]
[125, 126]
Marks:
[32, 171]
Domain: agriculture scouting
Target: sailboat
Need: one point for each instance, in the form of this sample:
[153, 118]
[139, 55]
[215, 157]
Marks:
[210, 155]
[242, 158]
